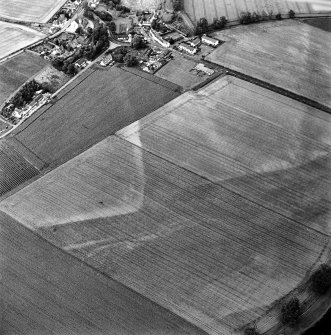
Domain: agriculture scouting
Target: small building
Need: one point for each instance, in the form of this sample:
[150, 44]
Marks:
[202, 68]
[210, 41]
[195, 43]
[187, 48]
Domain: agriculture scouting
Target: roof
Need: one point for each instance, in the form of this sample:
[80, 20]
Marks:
[210, 39]
[187, 47]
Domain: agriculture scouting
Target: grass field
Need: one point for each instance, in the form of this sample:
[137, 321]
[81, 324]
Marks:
[178, 72]
[14, 37]
[90, 109]
[30, 10]
[204, 206]
[45, 291]
[15, 72]
[289, 54]
[210, 9]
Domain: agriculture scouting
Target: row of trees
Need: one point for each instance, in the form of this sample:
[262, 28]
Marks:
[248, 17]
[21, 98]
[203, 25]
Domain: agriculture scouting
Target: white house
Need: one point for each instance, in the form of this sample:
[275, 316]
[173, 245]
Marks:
[187, 48]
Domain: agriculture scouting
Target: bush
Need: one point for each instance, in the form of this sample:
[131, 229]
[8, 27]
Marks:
[291, 14]
[321, 279]
[291, 312]
[245, 18]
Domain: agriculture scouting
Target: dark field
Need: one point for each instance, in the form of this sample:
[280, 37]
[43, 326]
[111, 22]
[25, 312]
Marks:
[97, 106]
[14, 168]
[44, 291]
[14, 72]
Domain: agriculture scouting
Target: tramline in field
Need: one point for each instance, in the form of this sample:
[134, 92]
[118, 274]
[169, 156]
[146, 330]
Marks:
[211, 9]
[30, 10]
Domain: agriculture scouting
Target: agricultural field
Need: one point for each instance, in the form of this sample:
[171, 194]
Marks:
[58, 131]
[46, 291]
[15, 169]
[16, 71]
[289, 54]
[195, 206]
[178, 72]
[210, 9]
[30, 10]
[14, 37]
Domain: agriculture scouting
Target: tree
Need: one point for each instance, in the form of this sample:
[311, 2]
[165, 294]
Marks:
[245, 18]
[291, 14]
[321, 279]
[71, 69]
[79, 31]
[291, 312]
[137, 42]
[130, 60]
[278, 16]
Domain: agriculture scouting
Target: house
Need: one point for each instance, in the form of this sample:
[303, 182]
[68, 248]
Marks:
[210, 41]
[195, 43]
[80, 63]
[187, 48]
[106, 60]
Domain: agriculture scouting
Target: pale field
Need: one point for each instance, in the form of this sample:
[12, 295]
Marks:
[14, 37]
[30, 10]
[292, 55]
[210, 9]
[199, 206]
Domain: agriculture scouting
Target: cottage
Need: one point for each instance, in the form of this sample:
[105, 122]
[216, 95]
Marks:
[187, 48]
[210, 41]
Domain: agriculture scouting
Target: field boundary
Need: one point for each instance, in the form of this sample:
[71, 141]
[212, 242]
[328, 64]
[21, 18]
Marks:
[274, 88]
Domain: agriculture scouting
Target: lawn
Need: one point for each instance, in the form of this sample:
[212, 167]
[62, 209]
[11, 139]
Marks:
[289, 54]
[30, 10]
[14, 37]
[214, 206]
[91, 108]
[16, 71]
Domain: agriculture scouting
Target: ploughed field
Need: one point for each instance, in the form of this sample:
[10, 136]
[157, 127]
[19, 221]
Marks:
[30, 10]
[16, 166]
[204, 206]
[14, 37]
[16, 71]
[91, 108]
[290, 54]
[210, 9]
[46, 291]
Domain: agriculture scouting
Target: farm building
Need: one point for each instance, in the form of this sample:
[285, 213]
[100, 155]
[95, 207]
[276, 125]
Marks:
[202, 68]
[187, 48]
[195, 42]
[210, 41]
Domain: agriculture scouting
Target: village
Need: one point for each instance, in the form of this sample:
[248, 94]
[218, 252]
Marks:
[107, 33]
